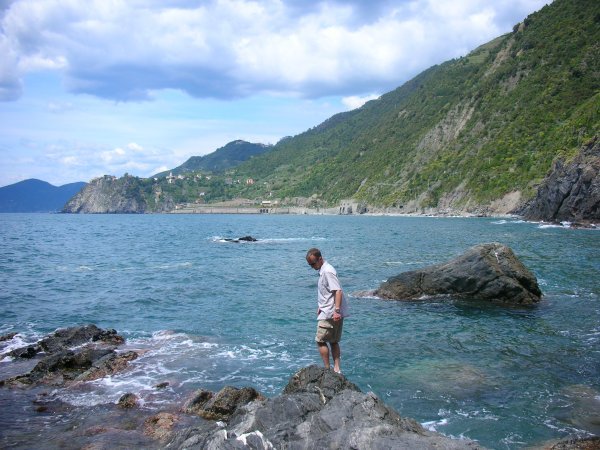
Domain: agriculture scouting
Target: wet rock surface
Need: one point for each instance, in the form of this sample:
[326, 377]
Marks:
[489, 272]
[81, 353]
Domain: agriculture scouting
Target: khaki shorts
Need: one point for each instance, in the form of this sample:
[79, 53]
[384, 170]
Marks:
[329, 331]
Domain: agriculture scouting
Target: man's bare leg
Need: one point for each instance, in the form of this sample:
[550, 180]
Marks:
[336, 352]
[324, 351]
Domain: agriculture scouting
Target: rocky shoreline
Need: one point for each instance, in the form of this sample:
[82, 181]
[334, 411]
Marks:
[317, 409]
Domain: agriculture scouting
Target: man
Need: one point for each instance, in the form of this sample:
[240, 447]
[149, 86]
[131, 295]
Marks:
[331, 310]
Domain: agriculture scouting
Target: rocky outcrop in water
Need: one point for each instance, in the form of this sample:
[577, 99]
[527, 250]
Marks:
[82, 353]
[113, 195]
[241, 239]
[489, 272]
[317, 409]
[571, 190]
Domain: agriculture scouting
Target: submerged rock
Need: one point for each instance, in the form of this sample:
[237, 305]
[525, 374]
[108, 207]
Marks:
[127, 401]
[317, 409]
[489, 272]
[241, 239]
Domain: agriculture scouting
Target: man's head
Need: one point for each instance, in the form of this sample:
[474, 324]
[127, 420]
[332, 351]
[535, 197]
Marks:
[314, 258]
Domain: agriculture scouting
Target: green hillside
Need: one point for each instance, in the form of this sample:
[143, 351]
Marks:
[461, 134]
[230, 155]
[474, 134]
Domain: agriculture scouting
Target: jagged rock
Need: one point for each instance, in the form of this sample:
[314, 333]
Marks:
[242, 239]
[318, 409]
[65, 338]
[66, 359]
[489, 272]
[160, 426]
[107, 365]
[571, 191]
[7, 336]
[127, 401]
[585, 443]
[126, 195]
[223, 404]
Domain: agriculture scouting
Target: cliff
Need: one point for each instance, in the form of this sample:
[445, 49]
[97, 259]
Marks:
[127, 195]
[571, 190]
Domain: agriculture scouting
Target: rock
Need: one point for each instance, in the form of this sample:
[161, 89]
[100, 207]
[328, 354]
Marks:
[107, 365]
[72, 354]
[162, 385]
[65, 338]
[223, 404]
[109, 194]
[7, 336]
[489, 272]
[160, 426]
[317, 409]
[571, 190]
[242, 239]
[127, 401]
[575, 443]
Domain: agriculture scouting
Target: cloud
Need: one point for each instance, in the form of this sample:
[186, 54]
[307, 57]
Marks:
[227, 49]
[355, 101]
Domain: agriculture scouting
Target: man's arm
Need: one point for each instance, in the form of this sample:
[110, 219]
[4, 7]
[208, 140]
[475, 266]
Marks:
[338, 296]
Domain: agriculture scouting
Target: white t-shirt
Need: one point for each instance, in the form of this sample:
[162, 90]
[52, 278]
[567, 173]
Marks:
[328, 282]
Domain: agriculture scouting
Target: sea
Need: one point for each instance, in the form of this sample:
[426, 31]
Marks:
[206, 312]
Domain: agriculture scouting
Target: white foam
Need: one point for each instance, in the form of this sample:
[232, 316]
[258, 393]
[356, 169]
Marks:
[432, 425]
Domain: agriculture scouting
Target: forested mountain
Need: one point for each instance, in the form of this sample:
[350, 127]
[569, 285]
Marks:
[461, 134]
[474, 134]
[36, 196]
[228, 156]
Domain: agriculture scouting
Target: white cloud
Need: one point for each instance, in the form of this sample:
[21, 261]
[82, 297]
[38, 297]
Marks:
[354, 101]
[126, 50]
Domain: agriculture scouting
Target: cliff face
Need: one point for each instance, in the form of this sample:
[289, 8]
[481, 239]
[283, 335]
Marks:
[116, 195]
[571, 190]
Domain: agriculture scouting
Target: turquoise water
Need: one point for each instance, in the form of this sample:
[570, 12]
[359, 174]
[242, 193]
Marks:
[210, 313]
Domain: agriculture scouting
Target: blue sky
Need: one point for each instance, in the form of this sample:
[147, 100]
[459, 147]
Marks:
[94, 87]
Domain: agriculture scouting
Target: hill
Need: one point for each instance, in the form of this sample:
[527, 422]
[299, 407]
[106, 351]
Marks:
[36, 196]
[226, 157]
[465, 135]
[477, 134]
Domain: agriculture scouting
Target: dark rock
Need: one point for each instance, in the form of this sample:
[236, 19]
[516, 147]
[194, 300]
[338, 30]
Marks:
[571, 190]
[489, 272]
[107, 365]
[242, 239]
[223, 404]
[318, 409]
[62, 365]
[66, 338]
[7, 336]
[585, 443]
[25, 352]
[127, 401]
[162, 385]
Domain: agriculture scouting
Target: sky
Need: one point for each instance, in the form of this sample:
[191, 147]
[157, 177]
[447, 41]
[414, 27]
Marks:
[95, 87]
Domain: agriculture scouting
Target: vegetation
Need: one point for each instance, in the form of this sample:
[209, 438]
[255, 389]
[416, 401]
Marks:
[462, 133]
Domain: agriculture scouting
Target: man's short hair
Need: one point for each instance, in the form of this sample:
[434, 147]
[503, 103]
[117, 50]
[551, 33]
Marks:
[313, 252]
